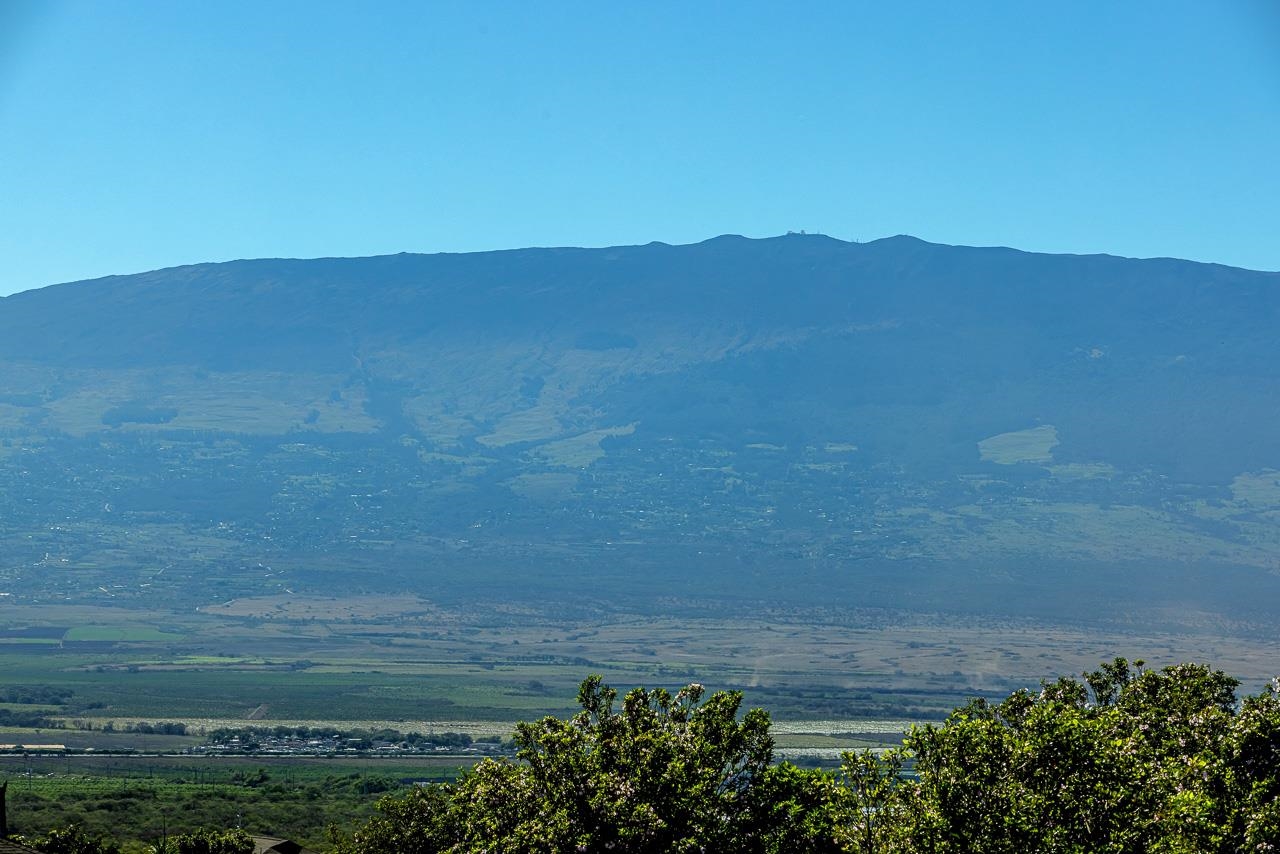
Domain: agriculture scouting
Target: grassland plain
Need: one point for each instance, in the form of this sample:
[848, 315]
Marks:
[833, 680]
[1033, 445]
[406, 660]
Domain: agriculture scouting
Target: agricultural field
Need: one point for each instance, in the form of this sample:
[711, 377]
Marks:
[414, 664]
[846, 681]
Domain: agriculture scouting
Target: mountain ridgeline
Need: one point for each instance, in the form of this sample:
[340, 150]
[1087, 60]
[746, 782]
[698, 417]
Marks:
[797, 420]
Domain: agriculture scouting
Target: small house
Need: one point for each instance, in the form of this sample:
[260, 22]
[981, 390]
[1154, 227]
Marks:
[272, 845]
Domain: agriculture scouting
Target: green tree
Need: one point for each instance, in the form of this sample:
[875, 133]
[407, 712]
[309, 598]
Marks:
[214, 842]
[870, 801]
[72, 839]
[794, 811]
[1251, 756]
[422, 822]
[1157, 761]
[664, 773]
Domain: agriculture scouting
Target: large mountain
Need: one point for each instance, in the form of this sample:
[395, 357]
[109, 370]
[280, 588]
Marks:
[795, 420]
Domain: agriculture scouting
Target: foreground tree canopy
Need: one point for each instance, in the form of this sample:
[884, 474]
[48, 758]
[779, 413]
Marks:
[74, 840]
[1126, 760]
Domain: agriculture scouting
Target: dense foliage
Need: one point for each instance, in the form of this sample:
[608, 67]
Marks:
[297, 803]
[212, 842]
[1127, 760]
[73, 839]
[665, 773]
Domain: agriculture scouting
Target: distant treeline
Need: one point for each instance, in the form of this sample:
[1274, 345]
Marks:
[25, 718]
[251, 737]
[161, 728]
[42, 695]
[135, 412]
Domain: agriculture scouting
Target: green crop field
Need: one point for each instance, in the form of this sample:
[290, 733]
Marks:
[406, 660]
[119, 634]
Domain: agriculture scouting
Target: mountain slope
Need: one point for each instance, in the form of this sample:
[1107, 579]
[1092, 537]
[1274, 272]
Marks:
[919, 425]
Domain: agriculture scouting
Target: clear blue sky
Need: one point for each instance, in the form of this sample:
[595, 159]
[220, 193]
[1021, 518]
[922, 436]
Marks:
[138, 134]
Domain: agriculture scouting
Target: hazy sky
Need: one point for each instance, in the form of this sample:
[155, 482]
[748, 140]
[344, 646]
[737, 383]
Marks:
[139, 134]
